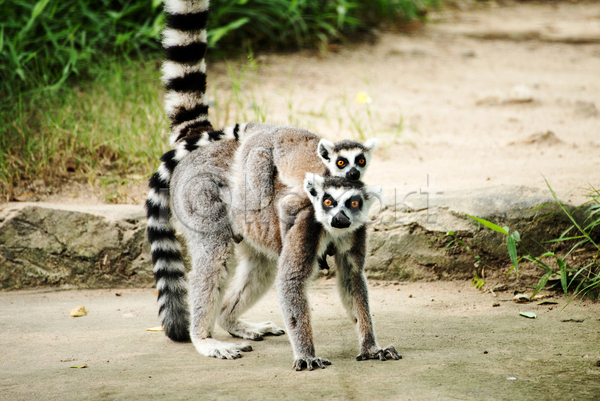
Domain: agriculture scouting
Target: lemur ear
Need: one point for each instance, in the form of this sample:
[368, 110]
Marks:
[372, 192]
[325, 149]
[313, 184]
[371, 144]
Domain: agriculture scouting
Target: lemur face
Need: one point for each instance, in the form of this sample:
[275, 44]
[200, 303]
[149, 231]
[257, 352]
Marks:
[340, 205]
[348, 159]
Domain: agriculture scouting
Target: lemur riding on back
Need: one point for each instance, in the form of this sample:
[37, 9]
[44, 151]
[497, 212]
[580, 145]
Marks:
[250, 179]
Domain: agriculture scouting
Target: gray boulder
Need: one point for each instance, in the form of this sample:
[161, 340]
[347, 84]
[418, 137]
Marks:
[410, 241]
[74, 246]
[105, 246]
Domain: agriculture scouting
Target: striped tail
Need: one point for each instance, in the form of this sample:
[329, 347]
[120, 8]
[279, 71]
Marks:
[169, 270]
[184, 70]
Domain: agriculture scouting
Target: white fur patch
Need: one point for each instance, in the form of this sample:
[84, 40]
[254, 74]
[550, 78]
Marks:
[175, 37]
[185, 7]
[175, 100]
[228, 133]
[158, 199]
[180, 152]
[159, 224]
[164, 173]
[165, 244]
[218, 349]
[171, 69]
[162, 265]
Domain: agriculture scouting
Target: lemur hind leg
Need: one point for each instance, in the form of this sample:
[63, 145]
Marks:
[352, 285]
[296, 265]
[200, 204]
[208, 281]
[254, 275]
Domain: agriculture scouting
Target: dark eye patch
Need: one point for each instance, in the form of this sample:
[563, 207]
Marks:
[359, 158]
[341, 162]
[357, 200]
[328, 201]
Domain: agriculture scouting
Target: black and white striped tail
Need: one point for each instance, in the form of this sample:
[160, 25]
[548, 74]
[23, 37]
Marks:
[184, 70]
[169, 270]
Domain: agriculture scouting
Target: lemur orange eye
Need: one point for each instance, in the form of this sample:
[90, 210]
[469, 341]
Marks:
[361, 161]
[340, 163]
[354, 203]
[327, 202]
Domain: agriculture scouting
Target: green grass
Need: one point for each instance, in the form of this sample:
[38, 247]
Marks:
[79, 78]
[112, 128]
[575, 277]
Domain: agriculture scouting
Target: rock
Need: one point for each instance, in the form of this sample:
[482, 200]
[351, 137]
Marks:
[85, 248]
[104, 246]
[407, 245]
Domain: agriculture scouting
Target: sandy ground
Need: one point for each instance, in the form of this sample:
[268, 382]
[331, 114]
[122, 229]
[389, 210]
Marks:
[476, 98]
[445, 99]
[459, 98]
[455, 345]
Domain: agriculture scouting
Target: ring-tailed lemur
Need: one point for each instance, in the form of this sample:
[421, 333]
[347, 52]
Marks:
[291, 147]
[211, 194]
[213, 198]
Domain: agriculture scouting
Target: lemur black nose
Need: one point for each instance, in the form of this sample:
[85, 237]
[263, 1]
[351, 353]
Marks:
[340, 220]
[353, 174]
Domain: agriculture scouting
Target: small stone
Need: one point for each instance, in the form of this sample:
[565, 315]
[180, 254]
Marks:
[468, 54]
[521, 298]
[78, 311]
[520, 94]
[496, 305]
[500, 288]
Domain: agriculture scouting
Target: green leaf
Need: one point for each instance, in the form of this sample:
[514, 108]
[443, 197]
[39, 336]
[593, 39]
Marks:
[490, 225]
[563, 274]
[512, 252]
[529, 315]
[218, 33]
[542, 283]
[516, 236]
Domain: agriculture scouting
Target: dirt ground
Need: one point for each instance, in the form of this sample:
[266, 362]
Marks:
[499, 95]
[455, 345]
[485, 97]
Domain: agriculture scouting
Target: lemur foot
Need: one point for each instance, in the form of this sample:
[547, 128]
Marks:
[220, 349]
[255, 331]
[381, 354]
[310, 363]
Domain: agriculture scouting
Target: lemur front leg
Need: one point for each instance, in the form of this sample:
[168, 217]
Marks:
[296, 264]
[352, 285]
